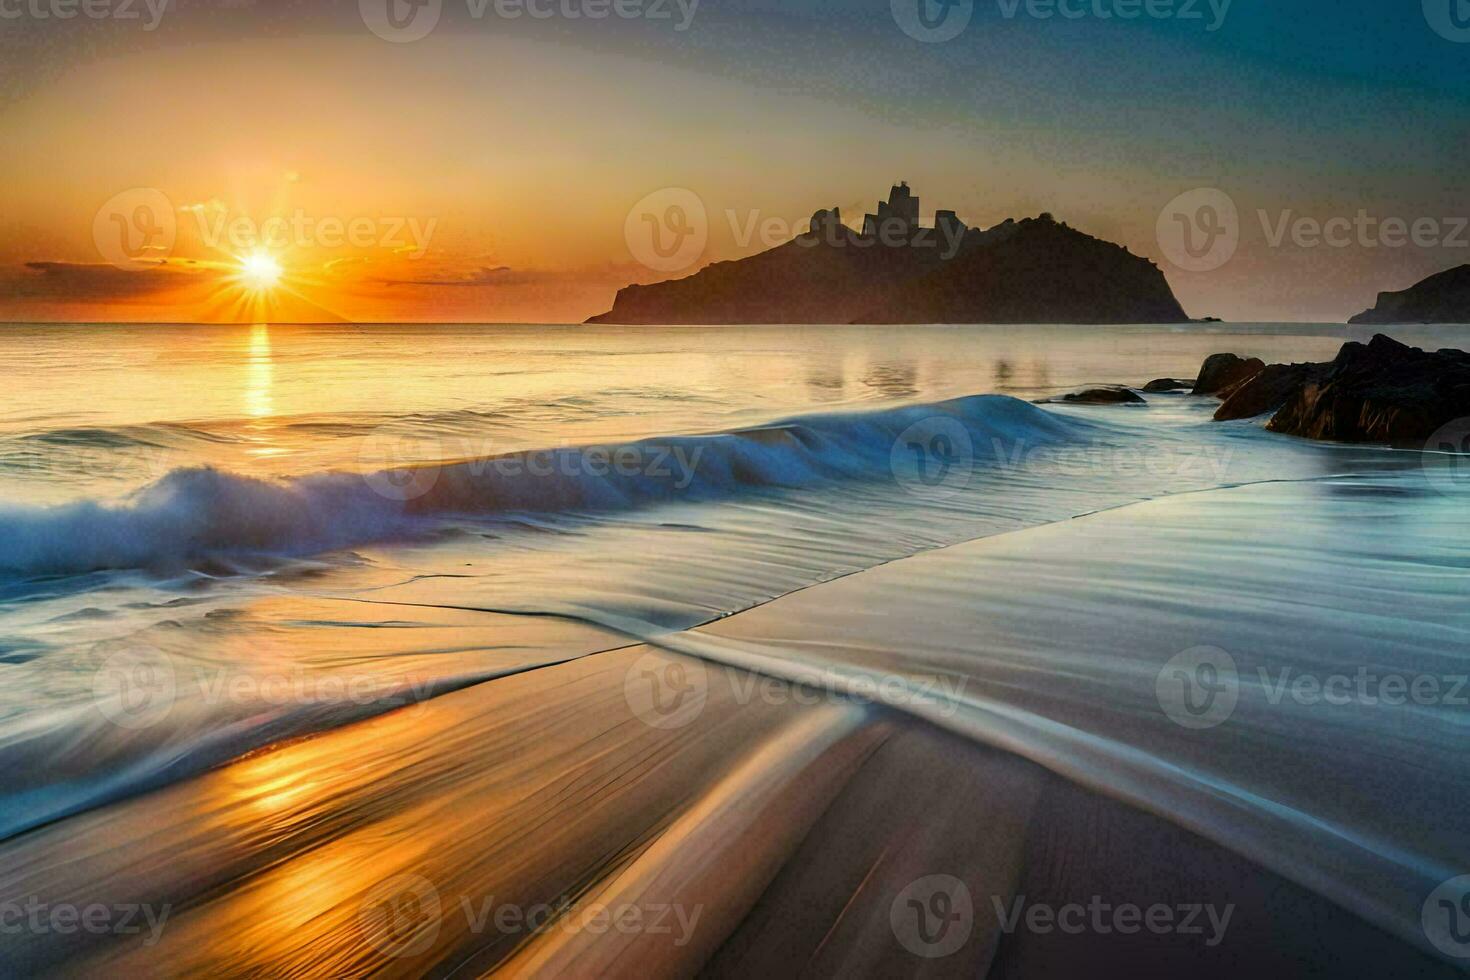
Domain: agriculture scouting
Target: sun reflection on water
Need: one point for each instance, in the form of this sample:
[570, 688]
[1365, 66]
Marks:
[258, 389]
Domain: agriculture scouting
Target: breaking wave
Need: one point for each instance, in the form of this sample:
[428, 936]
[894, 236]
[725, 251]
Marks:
[200, 513]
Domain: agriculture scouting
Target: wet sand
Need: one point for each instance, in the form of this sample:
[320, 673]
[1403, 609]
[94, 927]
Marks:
[742, 826]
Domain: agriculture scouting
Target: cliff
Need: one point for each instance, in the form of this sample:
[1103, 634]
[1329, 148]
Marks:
[1442, 298]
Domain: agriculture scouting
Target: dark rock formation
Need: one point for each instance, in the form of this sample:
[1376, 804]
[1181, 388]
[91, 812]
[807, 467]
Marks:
[1381, 391]
[1034, 271]
[1160, 385]
[1266, 390]
[1224, 371]
[1031, 271]
[1104, 396]
[1442, 298]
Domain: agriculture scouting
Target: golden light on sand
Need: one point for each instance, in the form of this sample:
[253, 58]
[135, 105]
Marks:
[259, 271]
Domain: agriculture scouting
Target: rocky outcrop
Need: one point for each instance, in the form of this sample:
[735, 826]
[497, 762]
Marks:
[1104, 396]
[1161, 385]
[1381, 391]
[1223, 371]
[1037, 270]
[1442, 298]
[1265, 391]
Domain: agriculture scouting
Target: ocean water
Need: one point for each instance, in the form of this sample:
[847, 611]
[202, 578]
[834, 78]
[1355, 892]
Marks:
[214, 538]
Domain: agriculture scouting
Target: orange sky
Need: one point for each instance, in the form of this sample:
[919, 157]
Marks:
[486, 173]
[384, 203]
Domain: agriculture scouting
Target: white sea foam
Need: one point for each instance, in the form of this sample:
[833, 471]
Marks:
[200, 513]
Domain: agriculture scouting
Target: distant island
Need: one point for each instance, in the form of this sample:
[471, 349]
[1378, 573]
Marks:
[1036, 270]
[1442, 298]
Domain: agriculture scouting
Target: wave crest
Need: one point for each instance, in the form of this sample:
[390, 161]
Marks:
[198, 513]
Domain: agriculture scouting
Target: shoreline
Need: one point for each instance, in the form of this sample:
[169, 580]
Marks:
[421, 792]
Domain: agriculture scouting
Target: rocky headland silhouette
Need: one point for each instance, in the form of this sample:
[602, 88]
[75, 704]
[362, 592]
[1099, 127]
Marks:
[1441, 298]
[895, 270]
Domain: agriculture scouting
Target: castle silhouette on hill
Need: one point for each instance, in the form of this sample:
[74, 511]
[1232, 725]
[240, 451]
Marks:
[1035, 270]
[897, 219]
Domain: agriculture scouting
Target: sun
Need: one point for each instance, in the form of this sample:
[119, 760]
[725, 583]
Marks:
[259, 271]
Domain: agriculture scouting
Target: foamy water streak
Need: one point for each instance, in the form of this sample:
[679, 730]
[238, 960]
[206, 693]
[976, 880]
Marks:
[1051, 643]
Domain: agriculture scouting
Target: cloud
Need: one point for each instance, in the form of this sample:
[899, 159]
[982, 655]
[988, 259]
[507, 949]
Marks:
[212, 206]
[500, 275]
[82, 282]
[340, 266]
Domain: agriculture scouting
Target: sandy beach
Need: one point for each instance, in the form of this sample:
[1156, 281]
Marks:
[876, 775]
